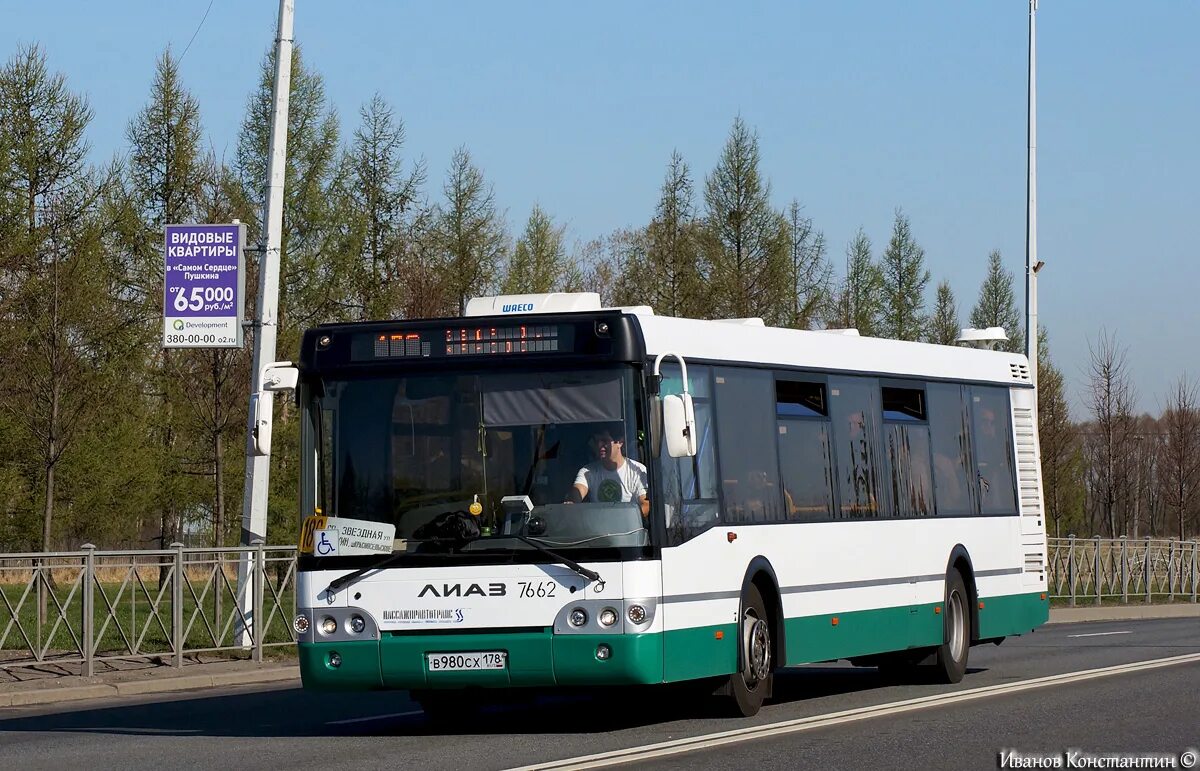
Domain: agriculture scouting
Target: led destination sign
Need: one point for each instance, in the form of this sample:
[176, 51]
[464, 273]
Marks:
[465, 341]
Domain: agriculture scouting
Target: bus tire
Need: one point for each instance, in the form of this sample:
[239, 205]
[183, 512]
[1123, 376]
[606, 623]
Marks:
[751, 684]
[950, 660]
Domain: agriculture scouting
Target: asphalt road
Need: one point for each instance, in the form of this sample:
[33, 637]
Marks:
[1153, 710]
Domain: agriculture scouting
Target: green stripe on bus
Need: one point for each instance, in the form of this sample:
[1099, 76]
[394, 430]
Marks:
[545, 659]
[359, 670]
[702, 651]
[1012, 614]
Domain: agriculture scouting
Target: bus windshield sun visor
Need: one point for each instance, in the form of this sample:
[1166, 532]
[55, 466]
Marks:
[547, 398]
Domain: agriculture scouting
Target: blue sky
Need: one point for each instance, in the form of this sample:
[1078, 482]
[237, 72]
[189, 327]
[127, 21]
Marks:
[861, 107]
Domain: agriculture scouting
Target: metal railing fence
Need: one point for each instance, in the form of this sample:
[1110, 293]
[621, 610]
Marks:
[89, 606]
[1123, 570]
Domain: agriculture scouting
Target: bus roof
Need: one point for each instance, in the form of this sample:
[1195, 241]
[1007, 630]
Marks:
[736, 341]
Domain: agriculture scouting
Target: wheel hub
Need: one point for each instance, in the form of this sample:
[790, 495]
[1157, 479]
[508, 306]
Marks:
[758, 649]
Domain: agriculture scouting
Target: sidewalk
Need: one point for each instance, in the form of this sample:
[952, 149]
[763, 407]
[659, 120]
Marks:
[53, 683]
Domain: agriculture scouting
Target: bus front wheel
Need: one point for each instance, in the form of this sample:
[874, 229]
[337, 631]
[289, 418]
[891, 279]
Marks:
[950, 661]
[751, 684]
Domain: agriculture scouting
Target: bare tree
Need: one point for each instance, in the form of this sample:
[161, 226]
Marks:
[1179, 455]
[1110, 399]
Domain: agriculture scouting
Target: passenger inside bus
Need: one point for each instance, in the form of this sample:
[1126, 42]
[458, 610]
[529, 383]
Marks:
[612, 477]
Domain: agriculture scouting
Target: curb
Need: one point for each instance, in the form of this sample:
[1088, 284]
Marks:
[1123, 613]
[142, 687]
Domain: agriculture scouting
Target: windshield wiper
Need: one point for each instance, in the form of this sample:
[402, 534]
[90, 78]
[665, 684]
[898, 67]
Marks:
[591, 575]
[340, 583]
[349, 578]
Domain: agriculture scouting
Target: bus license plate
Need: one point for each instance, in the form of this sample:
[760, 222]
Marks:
[466, 661]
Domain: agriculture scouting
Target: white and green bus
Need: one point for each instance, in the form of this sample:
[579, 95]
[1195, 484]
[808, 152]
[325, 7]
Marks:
[549, 493]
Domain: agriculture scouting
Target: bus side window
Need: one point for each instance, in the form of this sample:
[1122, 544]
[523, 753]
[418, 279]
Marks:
[690, 484]
[805, 449]
[745, 400]
[854, 411]
[992, 433]
[906, 434]
[953, 471]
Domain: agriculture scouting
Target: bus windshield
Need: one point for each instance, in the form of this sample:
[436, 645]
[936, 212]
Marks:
[409, 449]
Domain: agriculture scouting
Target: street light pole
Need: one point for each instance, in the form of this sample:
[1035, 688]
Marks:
[258, 465]
[1032, 266]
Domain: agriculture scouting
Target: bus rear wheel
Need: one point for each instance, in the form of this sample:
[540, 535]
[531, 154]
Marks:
[749, 686]
[950, 661]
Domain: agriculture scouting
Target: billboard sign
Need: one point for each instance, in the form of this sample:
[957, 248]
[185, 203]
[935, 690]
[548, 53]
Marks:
[204, 283]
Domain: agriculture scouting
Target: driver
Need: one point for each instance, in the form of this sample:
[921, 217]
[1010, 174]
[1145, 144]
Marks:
[611, 478]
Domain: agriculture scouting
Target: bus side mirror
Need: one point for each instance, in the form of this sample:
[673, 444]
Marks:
[679, 425]
[261, 431]
[277, 377]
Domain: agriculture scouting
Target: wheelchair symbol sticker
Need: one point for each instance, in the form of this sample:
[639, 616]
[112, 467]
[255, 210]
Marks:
[326, 544]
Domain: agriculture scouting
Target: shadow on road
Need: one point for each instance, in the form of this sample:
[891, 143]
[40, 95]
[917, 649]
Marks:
[298, 713]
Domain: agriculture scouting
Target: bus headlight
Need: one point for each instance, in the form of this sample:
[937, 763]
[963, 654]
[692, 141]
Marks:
[328, 625]
[607, 617]
[356, 624]
[578, 617]
[300, 624]
[637, 614]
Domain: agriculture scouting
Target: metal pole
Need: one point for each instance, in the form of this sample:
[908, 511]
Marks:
[1149, 596]
[177, 606]
[1071, 566]
[89, 599]
[1171, 570]
[254, 502]
[1124, 570]
[260, 577]
[1031, 259]
[1195, 548]
[1096, 566]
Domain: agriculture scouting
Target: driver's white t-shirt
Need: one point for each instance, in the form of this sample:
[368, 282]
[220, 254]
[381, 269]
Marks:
[625, 483]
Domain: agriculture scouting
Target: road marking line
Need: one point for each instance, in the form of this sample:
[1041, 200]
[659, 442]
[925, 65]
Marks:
[707, 741]
[374, 717]
[1097, 634]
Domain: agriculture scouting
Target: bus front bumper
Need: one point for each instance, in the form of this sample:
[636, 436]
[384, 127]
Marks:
[533, 659]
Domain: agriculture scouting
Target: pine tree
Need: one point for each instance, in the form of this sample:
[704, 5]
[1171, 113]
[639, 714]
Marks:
[471, 236]
[745, 241]
[904, 282]
[670, 276]
[943, 324]
[539, 262]
[1062, 455]
[381, 197]
[314, 279]
[997, 305]
[164, 175]
[859, 301]
[809, 272]
[58, 318]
